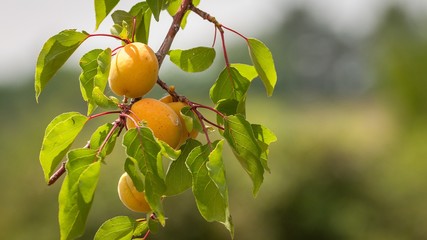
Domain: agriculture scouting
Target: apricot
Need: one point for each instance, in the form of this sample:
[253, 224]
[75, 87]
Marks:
[177, 106]
[159, 117]
[134, 70]
[130, 196]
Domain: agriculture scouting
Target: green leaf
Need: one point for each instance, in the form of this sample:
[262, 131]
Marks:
[100, 99]
[264, 136]
[190, 119]
[229, 85]
[156, 7]
[240, 136]
[89, 65]
[209, 183]
[154, 225]
[117, 228]
[54, 54]
[123, 24]
[95, 70]
[247, 71]
[77, 191]
[193, 60]
[173, 7]
[169, 151]
[146, 151]
[264, 64]
[132, 169]
[58, 137]
[226, 107]
[99, 137]
[102, 9]
[178, 178]
[143, 20]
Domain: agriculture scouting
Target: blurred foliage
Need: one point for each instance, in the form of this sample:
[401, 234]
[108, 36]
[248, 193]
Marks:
[350, 163]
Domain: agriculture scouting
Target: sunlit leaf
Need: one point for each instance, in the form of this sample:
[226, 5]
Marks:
[117, 228]
[169, 151]
[54, 54]
[264, 136]
[142, 146]
[193, 60]
[239, 135]
[102, 9]
[95, 70]
[143, 14]
[178, 178]
[58, 137]
[98, 139]
[247, 71]
[190, 119]
[173, 8]
[264, 64]
[132, 169]
[100, 99]
[89, 65]
[77, 191]
[209, 183]
[229, 85]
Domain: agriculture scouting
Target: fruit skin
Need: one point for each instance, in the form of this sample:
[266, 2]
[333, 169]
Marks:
[159, 117]
[177, 106]
[133, 71]
[130, 197]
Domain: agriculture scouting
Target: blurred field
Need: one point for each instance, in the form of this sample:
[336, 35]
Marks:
[350, 161]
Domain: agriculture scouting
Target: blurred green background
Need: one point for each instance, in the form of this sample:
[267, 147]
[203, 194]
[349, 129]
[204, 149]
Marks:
[350, 114]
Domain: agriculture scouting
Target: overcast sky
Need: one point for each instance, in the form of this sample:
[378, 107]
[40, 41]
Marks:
[26, 25]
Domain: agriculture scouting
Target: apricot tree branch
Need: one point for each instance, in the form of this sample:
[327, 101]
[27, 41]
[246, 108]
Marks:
[173, 30]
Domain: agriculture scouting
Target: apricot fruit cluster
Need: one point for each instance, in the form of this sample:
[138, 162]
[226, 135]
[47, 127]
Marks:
[134, 70]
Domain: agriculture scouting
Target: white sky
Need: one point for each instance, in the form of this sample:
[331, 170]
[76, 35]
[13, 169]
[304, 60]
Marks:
[25, 25]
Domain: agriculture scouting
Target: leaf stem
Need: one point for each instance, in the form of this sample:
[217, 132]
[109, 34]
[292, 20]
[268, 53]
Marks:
[127, 41]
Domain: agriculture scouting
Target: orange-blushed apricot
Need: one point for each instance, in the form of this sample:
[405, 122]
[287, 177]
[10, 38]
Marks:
[159, 117]
[134, 70]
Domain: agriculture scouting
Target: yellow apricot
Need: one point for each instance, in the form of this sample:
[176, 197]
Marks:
[166, 99]
[177, 106]
[130, 196]
[134, 70]
[159, 117]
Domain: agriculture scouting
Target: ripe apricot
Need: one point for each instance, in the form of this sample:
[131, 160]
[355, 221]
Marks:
[134, 70]
[130, 196]
[177, 106]
[159, 117]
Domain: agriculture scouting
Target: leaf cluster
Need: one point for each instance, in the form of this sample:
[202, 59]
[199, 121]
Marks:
[196, 165]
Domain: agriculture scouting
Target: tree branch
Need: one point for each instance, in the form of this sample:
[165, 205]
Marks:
[173, 30]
